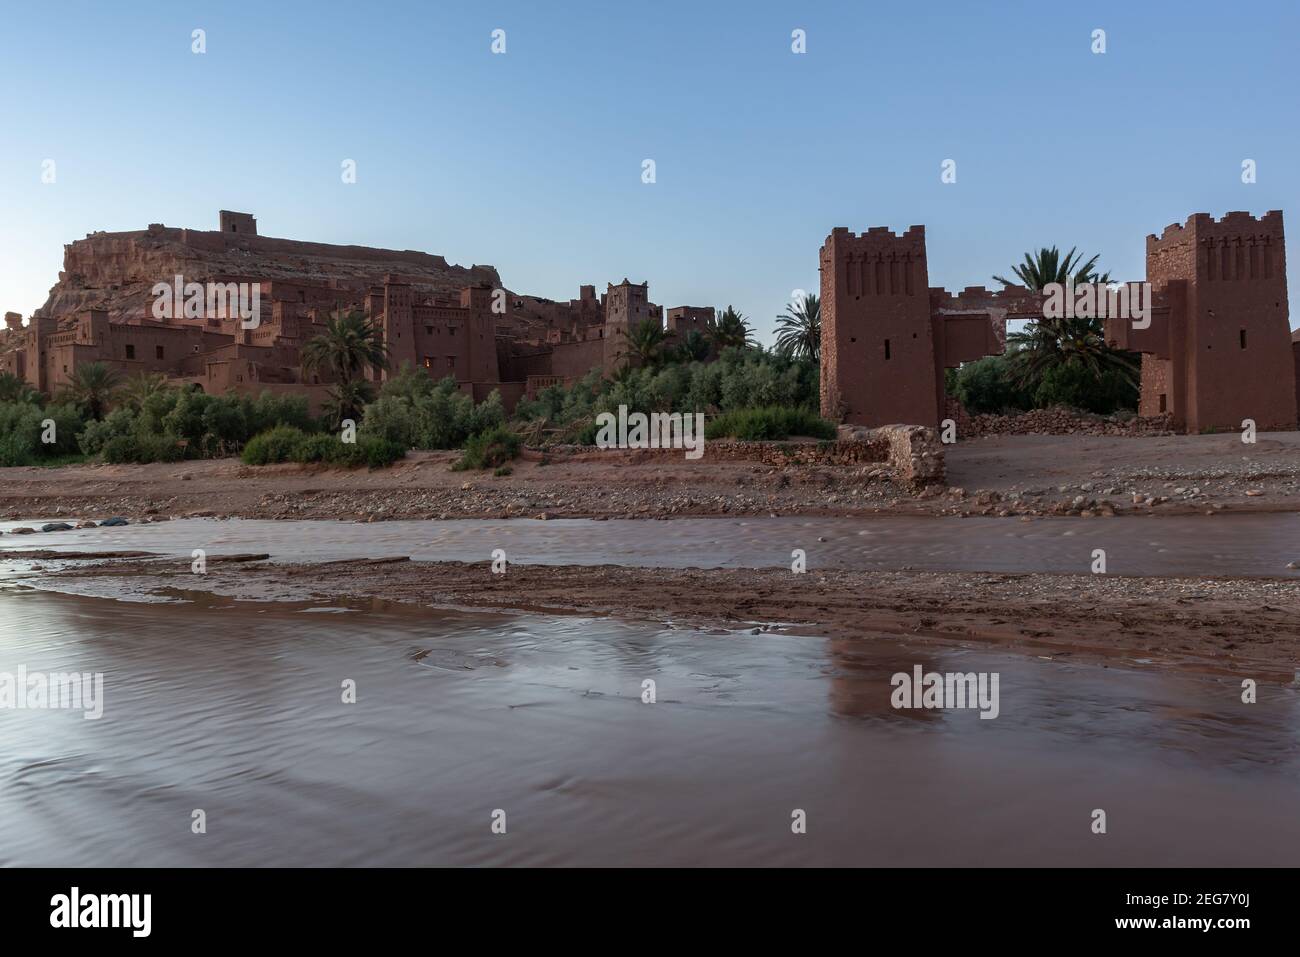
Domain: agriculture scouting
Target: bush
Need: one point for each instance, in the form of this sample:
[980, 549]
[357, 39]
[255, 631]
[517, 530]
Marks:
[314, 448]
[118, 424]
[988, 385]
[771, 422]
[740, 379]
[140, 449]
[278, 445]
[380, 453]
[425, 415]
[489, 449]
[1076, 386]
[287, 444]
[23, 428]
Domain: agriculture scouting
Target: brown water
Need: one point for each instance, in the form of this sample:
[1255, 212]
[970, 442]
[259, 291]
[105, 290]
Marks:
[235, 708]
[1225, 545]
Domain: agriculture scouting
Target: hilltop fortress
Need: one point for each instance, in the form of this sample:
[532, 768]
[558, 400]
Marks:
[449, 320]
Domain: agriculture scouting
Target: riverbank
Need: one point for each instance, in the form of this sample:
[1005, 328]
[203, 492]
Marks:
[1030, 475]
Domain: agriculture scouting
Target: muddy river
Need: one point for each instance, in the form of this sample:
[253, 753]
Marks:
[538, 724]
[1228, 545]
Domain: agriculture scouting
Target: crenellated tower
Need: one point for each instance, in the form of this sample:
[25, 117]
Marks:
[877, 361]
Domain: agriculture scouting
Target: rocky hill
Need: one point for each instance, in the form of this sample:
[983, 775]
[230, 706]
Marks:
[115, 271]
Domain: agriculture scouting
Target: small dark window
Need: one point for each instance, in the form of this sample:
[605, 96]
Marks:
[853, 338]
[886, 348]
[1163, 407]
[158, 352]
[1243, 338]
[451, 362]
[428, 330]
[130, 352]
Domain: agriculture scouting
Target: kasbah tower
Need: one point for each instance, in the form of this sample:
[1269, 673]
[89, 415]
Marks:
[1228, 355]
[877, 344]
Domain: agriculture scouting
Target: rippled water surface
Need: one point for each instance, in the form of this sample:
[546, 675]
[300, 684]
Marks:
[235, 708]
[1241, 544]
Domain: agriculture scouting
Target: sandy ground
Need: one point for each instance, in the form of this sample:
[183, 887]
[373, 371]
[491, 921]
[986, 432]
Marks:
[1246, 627]
[994, 475]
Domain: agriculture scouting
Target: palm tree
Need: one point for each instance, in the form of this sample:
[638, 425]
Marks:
[14, 389]
[348, 344]
[93, 386]
[730, 329]
[140, 387]
[347, 399]
[799, 328]
[644, 343]
[1049, 343]
[1046, 266]
[694, 347]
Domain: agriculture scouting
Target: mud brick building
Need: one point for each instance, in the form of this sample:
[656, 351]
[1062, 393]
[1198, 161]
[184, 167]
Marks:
[1218, 348]
[446, 320]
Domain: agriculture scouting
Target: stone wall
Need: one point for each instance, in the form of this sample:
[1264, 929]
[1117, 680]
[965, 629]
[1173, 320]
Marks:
[913, 453]
[1058, 420]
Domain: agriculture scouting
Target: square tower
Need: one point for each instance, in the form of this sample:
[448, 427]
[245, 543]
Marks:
[1230, 355]
[240, 224]
[878, 363]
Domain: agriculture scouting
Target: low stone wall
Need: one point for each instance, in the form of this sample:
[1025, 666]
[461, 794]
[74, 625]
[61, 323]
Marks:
[778, 454]
[1057, 421]
[912, 453]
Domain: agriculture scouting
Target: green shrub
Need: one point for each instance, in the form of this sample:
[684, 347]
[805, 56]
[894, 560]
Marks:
[502, 471]
[489, 449]
[380, 453]
[120, 423]
[139, 449]
[988, 385]
[285, 443]
[23, 427]
[315, 448]
[1076, 386]
[417, 413]
[276, 445]
[771, 422]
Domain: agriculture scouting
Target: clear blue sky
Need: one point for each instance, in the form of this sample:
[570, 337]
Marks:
[531, 161]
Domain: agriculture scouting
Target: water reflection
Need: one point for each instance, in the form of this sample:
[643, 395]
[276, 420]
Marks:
[235, 708]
